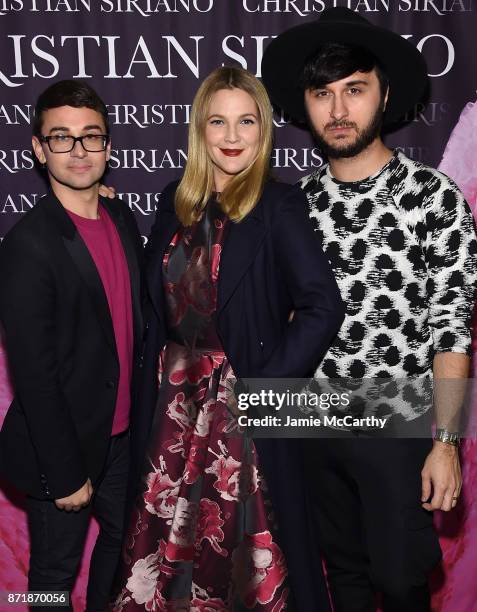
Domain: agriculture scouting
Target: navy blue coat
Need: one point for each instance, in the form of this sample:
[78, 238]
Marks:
[272, 263]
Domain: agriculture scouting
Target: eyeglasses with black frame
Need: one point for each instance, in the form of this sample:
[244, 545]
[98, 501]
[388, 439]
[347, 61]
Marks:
[63, 143]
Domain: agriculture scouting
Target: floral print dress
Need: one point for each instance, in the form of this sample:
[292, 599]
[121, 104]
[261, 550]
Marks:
[202, 533]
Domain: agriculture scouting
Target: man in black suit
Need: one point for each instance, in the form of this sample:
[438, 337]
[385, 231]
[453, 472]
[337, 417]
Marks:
[71, 313]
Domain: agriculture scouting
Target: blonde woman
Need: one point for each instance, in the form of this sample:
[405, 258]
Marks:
[231, 254]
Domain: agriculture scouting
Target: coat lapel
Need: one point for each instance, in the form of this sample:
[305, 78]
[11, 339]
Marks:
[242, 241]
[84, 262]
[240, 247]
[155, 249]
[132, 261]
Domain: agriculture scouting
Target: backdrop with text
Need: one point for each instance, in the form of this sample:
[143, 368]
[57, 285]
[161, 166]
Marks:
[146, 58]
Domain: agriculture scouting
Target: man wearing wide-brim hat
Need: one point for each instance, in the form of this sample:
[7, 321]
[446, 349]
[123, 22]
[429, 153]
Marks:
[401, 240]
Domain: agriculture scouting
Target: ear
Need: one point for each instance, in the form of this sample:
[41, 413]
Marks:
[108, 150]
[38, 150]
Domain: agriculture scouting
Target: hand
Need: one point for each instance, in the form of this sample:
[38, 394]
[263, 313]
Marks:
[441, 475]
[76, 500]
[107, 192]
[232, 405]
[231, 400]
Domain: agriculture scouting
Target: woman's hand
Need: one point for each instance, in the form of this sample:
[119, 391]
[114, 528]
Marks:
[231, 400]
[107, 192]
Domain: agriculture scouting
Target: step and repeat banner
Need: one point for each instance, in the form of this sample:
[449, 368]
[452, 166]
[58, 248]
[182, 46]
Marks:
[146, 59]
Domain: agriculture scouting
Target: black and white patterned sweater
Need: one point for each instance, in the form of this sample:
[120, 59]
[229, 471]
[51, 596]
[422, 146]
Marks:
[403, 247]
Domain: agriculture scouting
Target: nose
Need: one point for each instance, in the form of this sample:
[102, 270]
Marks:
[78, 150]
[339, 109]
[231, 134]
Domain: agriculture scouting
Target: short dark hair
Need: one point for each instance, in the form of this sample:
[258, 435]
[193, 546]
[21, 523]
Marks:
[68, 93]
[335, 61]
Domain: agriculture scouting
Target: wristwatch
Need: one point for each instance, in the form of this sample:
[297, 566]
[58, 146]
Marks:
[448, 437]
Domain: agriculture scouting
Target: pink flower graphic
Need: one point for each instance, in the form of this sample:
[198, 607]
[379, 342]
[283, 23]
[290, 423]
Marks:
[183, 531]
[259, 569]
[182, 410]
[199, 442]
[208, 605]
[161, 496]
[144, 583]
[176, 296]
[179, 442]
[235, 480]
[193, 370]
[215, 261]
[196, 458]
[209, 526]
[198, 289]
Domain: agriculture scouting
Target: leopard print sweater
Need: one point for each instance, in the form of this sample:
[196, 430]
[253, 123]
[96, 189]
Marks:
[403, 247]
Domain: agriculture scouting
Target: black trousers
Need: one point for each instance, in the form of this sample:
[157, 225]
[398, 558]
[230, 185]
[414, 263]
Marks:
[375, 536]
[57, 537]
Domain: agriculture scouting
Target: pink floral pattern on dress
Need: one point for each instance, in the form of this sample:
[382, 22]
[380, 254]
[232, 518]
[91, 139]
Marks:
[161, 495]
[234, 480]
[260, 569]
[202, 537]
[192, 370]
[209, 526]
[146, 581]
[210, 605]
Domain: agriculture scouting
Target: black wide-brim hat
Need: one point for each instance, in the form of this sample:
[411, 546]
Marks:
[286, 55]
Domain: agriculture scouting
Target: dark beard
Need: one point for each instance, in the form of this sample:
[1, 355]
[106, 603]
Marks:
[364, 139]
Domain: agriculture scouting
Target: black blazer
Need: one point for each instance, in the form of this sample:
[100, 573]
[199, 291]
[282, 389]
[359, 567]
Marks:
[272, 263]
[61, 349]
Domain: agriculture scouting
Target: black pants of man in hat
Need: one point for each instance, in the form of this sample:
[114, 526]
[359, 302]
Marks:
[375, 536]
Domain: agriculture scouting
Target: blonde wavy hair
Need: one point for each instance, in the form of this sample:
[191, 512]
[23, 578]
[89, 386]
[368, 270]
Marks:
[243, 190]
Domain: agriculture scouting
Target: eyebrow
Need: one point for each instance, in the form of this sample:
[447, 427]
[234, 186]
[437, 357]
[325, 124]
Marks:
[357, 82]
[67, 129]
[240, 116]
[347, 84]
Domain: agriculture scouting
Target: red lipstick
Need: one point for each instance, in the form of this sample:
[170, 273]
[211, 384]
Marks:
[232, 152]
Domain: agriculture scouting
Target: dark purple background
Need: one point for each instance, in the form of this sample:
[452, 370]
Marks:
[25, 72]
[34, 53]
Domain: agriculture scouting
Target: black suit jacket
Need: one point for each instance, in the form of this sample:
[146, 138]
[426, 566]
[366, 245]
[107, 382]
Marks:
[61, 349]
[272, 263]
